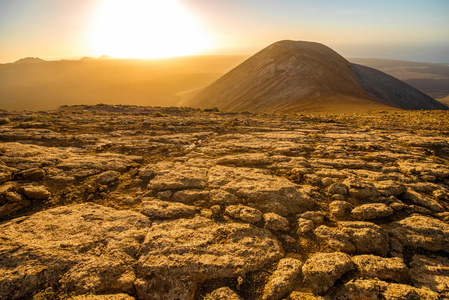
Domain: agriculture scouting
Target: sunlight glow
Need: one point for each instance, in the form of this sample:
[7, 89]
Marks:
[146, 29]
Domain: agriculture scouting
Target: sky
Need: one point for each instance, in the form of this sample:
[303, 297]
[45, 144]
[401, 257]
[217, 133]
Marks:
[416, 30]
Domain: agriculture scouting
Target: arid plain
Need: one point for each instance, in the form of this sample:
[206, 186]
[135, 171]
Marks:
[126, 202]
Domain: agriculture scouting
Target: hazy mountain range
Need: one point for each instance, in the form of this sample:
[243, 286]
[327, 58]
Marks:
[34, 84]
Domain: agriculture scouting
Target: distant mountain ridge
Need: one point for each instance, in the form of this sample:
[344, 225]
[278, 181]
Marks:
[50, 84]
[290, 76]
[430, 78]
[29, 60]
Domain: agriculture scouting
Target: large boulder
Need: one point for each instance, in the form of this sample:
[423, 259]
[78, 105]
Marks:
[323, 269]
[178, 254]
[392, 269]
[178, 176]
[158, 209]
[355, 237]
[35, 192]
[432, 273]
[282, 280]
[373, 289]
[224, 293]
[244, 213]
[86, 248]
[419, 231]
[261, 190]
[421, 200]
[372, 211]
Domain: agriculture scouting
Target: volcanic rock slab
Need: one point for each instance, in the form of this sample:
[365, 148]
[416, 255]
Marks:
[126, 202]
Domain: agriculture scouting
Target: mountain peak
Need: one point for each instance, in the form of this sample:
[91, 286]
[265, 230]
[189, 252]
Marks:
[292, 76]
[29, 60]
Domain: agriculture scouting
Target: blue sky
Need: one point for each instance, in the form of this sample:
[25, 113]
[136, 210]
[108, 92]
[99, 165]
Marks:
[412, 29]
[398, 29]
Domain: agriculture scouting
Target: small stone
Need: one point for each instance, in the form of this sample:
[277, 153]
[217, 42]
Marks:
[359, 289]
[159, 209]
[165, 195]
[396, 291]
[4, 177]
[206, 213]
[372, 211]
[323, 269]
[190, 196]
[432, 273]
[327, 181]
[91, 189]
[99, 275]
[90, 197]
[390, 188]
[360, 190]
[367, 237]
[336, 239]
[313, 179]
[429, 177]
[419, 231]
[288, 239]
[317, 217]
[4, 121]
[128, 200]
[179, 176]
[146, 172]
[35, 192]
[216, 210]
[239, 282]
[338, 197]
[244, 213]
[392, 269]
[396, 204]
[275, 222]
[222, 197]
[281, 281]
[305, 226]
[108, 177]
[13, 197]
[224, 293]
[424, 187]
[302, 296]
[338, 188]
[416, 209]
[338, 208]
[31, 174]
[423, 201]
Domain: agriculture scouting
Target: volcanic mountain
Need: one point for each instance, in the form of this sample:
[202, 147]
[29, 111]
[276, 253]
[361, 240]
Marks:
[290, 76]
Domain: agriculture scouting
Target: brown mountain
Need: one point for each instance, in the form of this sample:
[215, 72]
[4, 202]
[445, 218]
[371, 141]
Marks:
[29, 60]
[304, 76]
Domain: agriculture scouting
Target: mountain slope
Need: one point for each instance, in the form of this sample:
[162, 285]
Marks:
[300, 76]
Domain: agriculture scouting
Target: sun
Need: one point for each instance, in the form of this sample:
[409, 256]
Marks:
[146, 29]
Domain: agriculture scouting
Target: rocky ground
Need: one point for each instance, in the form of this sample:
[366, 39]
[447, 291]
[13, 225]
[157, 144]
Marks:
[124, 202]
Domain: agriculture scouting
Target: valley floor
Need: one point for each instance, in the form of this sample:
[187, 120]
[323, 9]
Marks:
[127, 202]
